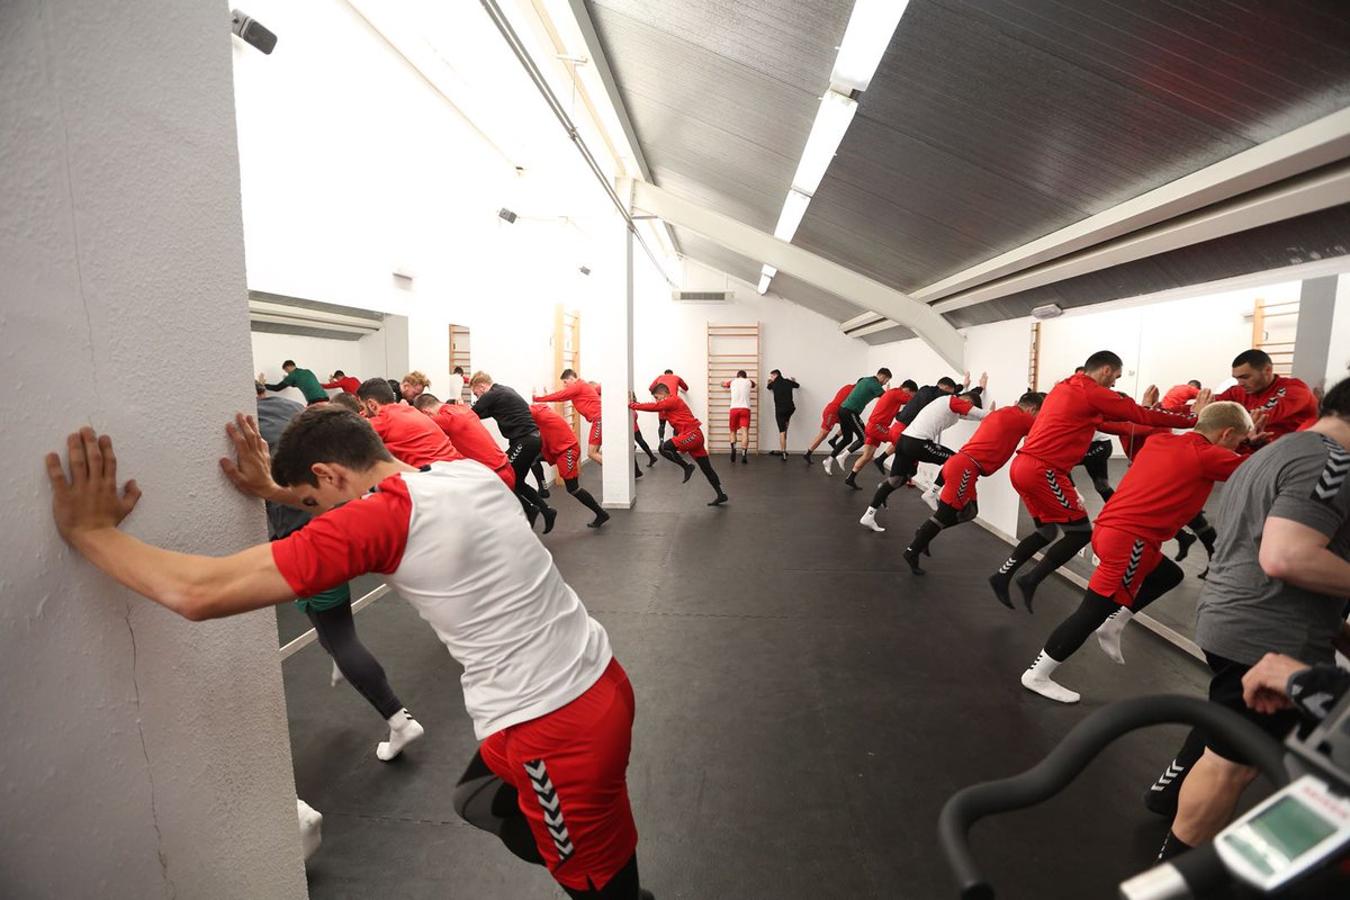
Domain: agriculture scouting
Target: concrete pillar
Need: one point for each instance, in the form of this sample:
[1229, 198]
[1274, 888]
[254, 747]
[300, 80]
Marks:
[1312, 341]
[614, 353]
[142, 755]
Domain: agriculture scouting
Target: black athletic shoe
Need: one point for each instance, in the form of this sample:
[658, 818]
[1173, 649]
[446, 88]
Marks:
[651, 462]
[689, 469]
[637, 473]
[550, 516]
[1028, 589]
[852, 481]
[532, 515]
[645, 894]
[880, 464]
[1000, 586]
[913, 559]
[721, 498]
[1184, 542]
[745, 457]
[807, 456]
[543, 492]
[733, 455]
[600, 519]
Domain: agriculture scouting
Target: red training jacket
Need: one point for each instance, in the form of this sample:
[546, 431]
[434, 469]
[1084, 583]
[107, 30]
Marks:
[888, 404]
[1166, 486]
[1288, 403]
[676, 411]
[412, 437]
[993, 443]
[466, 431]
[585, 398]
[555, 433]
[673, 383]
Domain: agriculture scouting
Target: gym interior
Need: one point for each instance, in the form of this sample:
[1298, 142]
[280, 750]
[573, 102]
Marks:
[200, 202]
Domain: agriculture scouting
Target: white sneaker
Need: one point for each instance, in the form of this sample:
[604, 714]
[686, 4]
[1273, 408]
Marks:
[1047, 688]
[931, 495]
[869, 520]
[828, 463]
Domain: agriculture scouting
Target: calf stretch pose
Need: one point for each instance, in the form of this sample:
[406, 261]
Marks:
[550, 704]
[674, 384]
[738, 418]
[688, 438]
[303, 380]
[467, 432]
[642, 442]
[851, 429]
[1168, 483]
[829, 418]
[512, 414]
[330, 611]
[916, 404]
[922, 442]
[561, 450]
[1040, 471]
[879, 426]
[783, 405]
[987, 451]
[585, 399]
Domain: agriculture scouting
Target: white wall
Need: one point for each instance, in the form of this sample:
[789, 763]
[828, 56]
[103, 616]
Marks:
[1338, 359]
[320, 355]
[142, 755]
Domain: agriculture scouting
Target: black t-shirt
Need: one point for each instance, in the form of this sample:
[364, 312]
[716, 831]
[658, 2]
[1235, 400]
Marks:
[782, 389]
[509, 409]
[922, 397]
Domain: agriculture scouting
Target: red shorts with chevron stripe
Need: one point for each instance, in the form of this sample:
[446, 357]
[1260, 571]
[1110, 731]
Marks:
[1126, 561]
[1047, 493]
[569, 768]
[959, 474]
[691, 442]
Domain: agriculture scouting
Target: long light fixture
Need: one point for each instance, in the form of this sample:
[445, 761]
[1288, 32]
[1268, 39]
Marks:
[868, 34]
[866, 38]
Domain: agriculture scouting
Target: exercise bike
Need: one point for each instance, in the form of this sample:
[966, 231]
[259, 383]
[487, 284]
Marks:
[1296, 843]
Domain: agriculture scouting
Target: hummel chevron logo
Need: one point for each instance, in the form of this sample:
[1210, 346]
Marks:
[1333, 473]
[551, 804]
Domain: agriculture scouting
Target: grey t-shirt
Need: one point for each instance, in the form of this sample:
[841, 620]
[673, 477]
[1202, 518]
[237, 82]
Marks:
[1244, 613]
[274, 414]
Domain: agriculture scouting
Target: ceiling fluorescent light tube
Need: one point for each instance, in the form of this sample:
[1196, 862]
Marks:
[832, 120]
[794, 207]
[869, 31]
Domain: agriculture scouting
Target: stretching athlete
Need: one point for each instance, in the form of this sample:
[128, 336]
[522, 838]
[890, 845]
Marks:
[585, 399]
[561, 450]
[879, 425]
[852, 432]
[675, 384]
[828, 419]
[467, 432]
[738, 418]
[688, 438]
[512, 414]
[783, 405]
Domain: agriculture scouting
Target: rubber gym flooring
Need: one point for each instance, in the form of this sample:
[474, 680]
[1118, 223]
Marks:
[805, 707]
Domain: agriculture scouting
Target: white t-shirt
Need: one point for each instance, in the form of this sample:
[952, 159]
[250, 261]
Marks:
[454, 543]
[939, 415]
[740, 393]
[455, 390]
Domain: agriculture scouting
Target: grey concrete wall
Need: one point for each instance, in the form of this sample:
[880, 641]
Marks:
[141, 755]
[1312, 341]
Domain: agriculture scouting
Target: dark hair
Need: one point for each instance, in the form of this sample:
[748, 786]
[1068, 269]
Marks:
[945, 382]
[1336, 402]
[1031, 398]
[394, 386]
[1257, 359]
[1079, 370]
[776, 372]
[1193, 383]
[426, 400]
[975, 397]
[338, 373]
[1101, 360]
[378, 389]
[289, 362]
[909, 385]
[883, 371]
[347, 401]
[459, 370]
[668, 372]
[325, 434]
[568, 373]
[740, 373]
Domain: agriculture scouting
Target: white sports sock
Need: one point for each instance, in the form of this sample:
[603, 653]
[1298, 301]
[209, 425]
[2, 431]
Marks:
[931, 495]
[311, 827]
[1037, 678]
[403, 730]
[828, 463]
[1108, 633]
[336, 677]
[869, 520]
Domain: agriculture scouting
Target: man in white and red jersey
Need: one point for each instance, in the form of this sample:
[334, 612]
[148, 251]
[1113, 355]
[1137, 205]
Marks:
[551, 706]
[674, 384]
[829, 418]
[922, 442]
[1040, 471]
[1179, 397]
[585, 399]
[987, 450]
[688, 438]
[1279, 404]
[738, 416]
[1168, 483]
[562, 451]
[878, 430]
[467, 432]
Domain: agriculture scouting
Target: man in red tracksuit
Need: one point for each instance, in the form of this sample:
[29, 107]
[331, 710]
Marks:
[466, 431]
[988, 449]
[828, 419]
[1167, 485]
[1180, 397]
[342, 380]
[879, 424]
[585, 399]
[410, 436]
[688, 437]
[1040, 471]
[674, 384]
[1279, 404]
[561, 450]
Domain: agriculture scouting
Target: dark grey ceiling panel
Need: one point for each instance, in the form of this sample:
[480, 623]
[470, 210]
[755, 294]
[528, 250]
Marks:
[800, 292]
[710, 253]
[898, 333]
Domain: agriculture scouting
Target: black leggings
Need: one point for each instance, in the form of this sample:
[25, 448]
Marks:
[1094, 462]
[523, 453]
[851, 431]
[642, 442]
[783, 417]
[537, 470]
[485, 801]
[909, 452]
[337, 635]
[1095, 609]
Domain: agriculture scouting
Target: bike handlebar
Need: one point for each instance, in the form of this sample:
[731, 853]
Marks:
[1078, 748]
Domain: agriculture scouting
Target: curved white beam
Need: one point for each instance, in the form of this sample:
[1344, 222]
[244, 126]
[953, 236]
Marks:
[825, 274]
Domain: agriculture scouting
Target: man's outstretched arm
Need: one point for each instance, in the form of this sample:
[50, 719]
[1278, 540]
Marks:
[88, 508]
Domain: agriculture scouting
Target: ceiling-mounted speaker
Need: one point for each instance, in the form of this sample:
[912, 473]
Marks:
[251, 31]
[507, 215]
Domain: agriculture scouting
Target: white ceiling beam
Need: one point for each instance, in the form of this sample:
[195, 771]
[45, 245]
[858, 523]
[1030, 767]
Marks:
[1308, 147]
[816, 270]
[1306, 194]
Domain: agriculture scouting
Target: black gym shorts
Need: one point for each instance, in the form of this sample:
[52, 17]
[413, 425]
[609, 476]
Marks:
[783, 416]
[1225, 689]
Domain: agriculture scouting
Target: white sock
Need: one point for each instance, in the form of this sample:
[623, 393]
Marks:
[1037, 678]
[931, 495]
[1108, 634]
[336, 677]
[311, 827]
[403, 730]
[869, 519]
